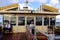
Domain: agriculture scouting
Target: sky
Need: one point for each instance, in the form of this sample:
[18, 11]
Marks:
[34, 4]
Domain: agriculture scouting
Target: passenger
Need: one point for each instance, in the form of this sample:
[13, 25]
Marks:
[32, 27]
[7, 27]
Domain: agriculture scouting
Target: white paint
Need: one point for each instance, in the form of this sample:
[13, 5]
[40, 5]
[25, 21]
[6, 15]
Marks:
[23, 5]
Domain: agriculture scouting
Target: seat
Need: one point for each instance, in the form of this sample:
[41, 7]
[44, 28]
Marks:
[7, 30]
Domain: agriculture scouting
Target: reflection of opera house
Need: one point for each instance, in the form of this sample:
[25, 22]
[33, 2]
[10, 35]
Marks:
[44, 20]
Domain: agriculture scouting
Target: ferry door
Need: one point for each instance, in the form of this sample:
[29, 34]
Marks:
[29, 19]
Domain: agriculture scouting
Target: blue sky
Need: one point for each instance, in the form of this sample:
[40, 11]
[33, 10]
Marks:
[33, 4]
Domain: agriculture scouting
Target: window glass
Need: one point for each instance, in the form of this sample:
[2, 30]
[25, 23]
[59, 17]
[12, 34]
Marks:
[52, 21]
[21, 20]
[29, 19]
[6, 19]
[46, 21]
[1, 19]
[13, 20]
[38, 20]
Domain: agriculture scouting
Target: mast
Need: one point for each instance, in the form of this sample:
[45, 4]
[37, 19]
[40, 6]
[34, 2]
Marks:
[26, 3]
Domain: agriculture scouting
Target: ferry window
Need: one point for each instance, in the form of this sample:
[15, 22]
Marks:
[1, 19]
[6, 19]
[38, 20]
[46, 21]
[52, 21]
[21, 20]
[29, 19]
[13, 20]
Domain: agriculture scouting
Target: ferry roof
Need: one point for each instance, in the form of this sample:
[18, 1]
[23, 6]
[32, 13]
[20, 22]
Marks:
[49, 8]
[27, 12]
[9, 6]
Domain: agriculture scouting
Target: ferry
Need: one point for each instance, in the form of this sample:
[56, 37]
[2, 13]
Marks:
[44, 19]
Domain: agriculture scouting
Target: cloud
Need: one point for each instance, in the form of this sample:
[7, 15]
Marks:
[58, 7]
[13, 1]
[2, 1]
[54, 2]
[58, 18]
[42, 1]
[31, 0]
[23, 4]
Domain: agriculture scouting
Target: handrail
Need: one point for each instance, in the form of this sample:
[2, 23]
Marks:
[42, 32]
[28, 33]
[49, 36]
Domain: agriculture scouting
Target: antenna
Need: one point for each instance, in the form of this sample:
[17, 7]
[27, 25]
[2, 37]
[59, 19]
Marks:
[26, 6]
[26, 2]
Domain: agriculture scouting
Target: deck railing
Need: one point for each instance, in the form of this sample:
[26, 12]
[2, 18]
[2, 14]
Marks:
[50, 36]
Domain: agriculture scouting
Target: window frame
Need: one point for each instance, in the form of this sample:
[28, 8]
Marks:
[46, 21]
[5, 20]
[40, 19]
[52, 22]
[30, 20]
[13, 20]
[24, 21]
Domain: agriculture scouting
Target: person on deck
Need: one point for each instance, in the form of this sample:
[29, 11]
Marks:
[32, 27]
[7, 26]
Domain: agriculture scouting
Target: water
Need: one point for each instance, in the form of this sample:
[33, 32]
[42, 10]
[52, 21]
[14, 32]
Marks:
[57, 23]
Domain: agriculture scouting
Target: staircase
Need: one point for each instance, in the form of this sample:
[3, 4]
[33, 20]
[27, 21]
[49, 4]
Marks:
[46, 36]
[40, 36]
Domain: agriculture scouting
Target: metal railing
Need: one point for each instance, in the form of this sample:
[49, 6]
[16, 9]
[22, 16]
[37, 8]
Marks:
[49, 36]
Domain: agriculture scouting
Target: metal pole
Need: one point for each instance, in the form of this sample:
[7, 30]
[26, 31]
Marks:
[35, 38]
[26, 2]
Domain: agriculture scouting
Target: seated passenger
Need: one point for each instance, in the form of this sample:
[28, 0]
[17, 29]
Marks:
[7, 26]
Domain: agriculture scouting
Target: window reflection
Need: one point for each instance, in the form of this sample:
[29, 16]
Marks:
[6, 19]
[1, 19]
[46, 21]
[38, 20]
[21, 20]
[29, 19]
[13, 20]
[52, 21]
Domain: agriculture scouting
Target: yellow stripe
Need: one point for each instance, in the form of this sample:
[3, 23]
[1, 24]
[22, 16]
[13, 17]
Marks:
[9, 6]
[41, 37]
[49, 8]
